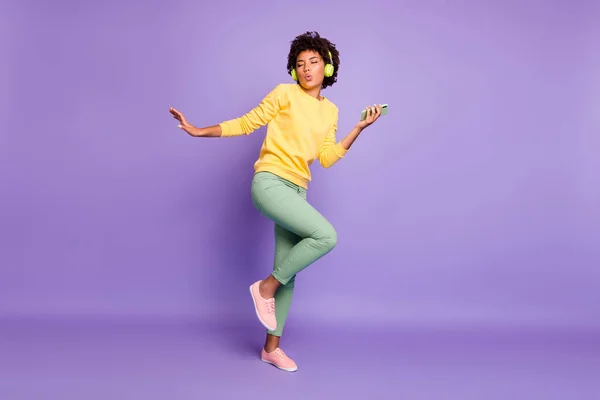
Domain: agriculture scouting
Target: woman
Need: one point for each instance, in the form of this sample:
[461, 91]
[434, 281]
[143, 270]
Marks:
[302, 127]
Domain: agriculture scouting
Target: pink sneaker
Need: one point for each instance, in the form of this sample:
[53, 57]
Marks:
[279, 359]
[265, 308]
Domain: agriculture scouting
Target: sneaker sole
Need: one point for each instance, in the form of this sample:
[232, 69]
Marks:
[257, 314]
[294, 369]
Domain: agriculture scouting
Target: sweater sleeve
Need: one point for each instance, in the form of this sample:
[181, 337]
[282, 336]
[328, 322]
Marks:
[331, 151]
[255, 118]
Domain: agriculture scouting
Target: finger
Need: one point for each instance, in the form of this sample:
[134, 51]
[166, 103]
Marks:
[372, 113]
[377, 112]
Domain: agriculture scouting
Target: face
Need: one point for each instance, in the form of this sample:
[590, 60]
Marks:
[310, 69]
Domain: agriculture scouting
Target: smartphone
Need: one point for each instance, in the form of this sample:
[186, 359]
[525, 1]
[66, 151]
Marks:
[384, 109]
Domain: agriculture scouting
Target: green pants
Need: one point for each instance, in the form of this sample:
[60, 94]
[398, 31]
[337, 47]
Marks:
[302, 234]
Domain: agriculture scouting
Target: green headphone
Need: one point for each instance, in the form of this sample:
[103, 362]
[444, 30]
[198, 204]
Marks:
[329, 69]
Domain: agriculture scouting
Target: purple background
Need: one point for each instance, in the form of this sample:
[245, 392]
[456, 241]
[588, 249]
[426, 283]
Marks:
[474, 201]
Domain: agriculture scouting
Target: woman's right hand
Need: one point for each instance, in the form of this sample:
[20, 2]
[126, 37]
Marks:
[183, 124]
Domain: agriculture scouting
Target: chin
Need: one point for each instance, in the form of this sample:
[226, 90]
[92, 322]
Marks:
[311, 85]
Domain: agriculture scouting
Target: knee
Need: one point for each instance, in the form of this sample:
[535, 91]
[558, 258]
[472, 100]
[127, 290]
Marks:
[328, 238]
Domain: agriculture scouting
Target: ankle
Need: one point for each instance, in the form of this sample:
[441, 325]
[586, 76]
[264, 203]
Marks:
[270, 348]
[271, 343]
[266, 290]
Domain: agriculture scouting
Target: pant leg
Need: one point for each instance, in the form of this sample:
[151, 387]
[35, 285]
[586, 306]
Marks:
[285, 204]
[284, 242]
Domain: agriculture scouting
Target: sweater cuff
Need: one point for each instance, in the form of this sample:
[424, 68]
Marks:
[225, 131]
[228, 128]
[339, 150]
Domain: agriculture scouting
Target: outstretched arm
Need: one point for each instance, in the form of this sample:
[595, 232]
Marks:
[244, 125]
[332, 152]
[209, 131]
[255, 118]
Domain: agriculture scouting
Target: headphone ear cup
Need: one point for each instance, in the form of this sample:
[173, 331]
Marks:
[294, 76]
[329, 70]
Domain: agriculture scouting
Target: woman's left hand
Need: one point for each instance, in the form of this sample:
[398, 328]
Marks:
[373, 113]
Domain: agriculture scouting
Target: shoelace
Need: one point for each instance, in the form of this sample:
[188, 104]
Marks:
[271, 306]
[279, 352]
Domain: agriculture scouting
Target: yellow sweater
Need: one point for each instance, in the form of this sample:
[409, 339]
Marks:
[300, 130]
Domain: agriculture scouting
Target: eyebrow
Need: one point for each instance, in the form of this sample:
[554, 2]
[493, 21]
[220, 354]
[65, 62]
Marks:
[309, 59]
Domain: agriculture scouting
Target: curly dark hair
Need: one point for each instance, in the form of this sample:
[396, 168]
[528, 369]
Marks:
[314, 42]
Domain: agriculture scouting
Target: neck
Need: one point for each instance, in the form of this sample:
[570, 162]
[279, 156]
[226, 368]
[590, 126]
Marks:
[316, 92]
